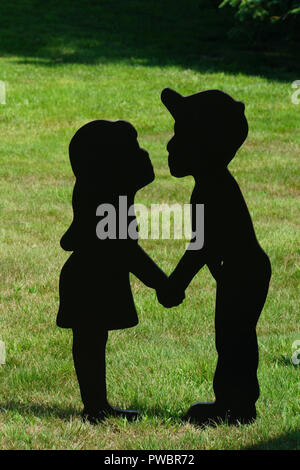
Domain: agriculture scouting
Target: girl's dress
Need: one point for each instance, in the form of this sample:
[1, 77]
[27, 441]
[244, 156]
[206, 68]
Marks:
[94, 287]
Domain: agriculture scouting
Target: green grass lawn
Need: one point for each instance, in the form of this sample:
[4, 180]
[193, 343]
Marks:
[69, 62]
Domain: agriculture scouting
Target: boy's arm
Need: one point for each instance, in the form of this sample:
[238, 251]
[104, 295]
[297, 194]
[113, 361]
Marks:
[144, 268]
[189, 265]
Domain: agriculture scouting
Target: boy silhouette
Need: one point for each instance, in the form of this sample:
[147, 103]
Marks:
[94, 288]
[210, 126]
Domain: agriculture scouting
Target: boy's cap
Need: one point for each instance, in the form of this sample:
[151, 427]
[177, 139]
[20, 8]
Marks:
[217, 113]
[172, 100]
[211, 102]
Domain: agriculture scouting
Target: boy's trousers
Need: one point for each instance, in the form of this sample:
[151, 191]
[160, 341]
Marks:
[238, 307]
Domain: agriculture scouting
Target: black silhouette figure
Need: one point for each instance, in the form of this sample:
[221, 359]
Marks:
[209, 128]
[95, 294]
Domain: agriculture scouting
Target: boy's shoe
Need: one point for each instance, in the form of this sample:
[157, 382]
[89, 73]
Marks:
[212, 414]
[101, 415]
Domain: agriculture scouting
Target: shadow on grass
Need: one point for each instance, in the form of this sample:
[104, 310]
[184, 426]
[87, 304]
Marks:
[65, 413]
[284, 361]
[186, 33]
[287, 441]
[39, 410]
[158, 411]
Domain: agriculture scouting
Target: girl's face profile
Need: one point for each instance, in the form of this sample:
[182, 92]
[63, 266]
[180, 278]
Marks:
[136, 168]
[140, 167]
[107, 155]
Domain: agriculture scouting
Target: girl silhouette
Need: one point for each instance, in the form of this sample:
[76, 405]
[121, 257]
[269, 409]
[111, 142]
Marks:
[94, 288]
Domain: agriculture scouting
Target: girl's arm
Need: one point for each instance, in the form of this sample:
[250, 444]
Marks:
[145, 269]
[189, 265]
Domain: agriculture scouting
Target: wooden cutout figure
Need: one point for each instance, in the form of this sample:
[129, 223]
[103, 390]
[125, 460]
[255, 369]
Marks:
[210, 127]
[94, 288]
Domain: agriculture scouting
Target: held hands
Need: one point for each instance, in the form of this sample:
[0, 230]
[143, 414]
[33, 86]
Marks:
[169, 295]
